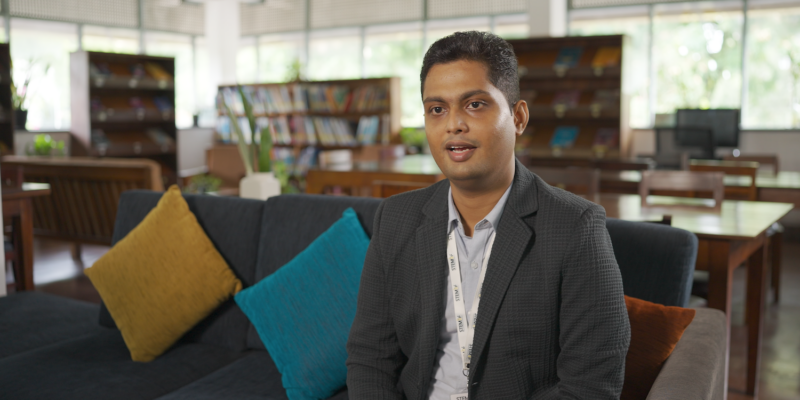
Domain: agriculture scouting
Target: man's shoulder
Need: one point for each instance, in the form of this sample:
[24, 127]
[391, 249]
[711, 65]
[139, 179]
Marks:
[412, 203]
[563, 203]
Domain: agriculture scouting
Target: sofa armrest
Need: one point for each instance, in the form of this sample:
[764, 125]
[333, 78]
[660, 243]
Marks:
[696, 368]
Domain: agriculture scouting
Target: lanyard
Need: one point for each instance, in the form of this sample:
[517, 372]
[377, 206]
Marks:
[465, 322]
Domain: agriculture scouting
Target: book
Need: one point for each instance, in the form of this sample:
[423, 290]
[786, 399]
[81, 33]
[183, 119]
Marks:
[607, 138]
[568, 57]
[606, 57]
[564, 136]
[157, 72]
[567, 98]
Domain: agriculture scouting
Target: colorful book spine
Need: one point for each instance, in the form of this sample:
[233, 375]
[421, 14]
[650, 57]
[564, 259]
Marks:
[564, 137]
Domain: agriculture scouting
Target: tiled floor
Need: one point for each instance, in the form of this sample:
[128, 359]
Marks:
[55, 272]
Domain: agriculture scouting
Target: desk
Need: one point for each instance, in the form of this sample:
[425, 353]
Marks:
[17, 209]
[727, 239]
[783, 187]
[416, 168]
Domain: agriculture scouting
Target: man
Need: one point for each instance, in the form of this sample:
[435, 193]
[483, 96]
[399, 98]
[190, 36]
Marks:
[537, 260]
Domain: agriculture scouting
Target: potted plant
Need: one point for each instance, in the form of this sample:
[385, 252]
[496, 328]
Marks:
[260, 182]
[44, 145]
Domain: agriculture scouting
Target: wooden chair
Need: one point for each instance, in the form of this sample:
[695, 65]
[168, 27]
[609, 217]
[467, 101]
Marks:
[683, 181]
[583, 181]
[761, 159]
[736, 168]
[85, 192]
[384, 189]
[11, 176]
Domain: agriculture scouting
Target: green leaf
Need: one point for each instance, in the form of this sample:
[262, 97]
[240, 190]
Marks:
[265, 151]
[243, 148]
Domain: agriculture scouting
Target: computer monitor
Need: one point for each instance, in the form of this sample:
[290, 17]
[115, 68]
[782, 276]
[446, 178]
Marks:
[722, 123]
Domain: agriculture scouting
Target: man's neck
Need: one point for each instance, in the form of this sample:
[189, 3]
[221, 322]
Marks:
[475, 203]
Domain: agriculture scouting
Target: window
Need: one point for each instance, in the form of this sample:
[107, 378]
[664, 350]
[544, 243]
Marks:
[205, 93]
[698, 59]
[247, 61]
[110, 40]
[636, 70]
[41, 49]
[773, 69]
[276, 56]
[179, 47]
[511, 26]
[442, 28]
[398, 53]
[334, 54]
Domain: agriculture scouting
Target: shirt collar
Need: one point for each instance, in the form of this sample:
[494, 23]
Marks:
[491, 219]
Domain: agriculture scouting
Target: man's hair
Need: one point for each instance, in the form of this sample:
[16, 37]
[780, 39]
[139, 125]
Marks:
[487, 48]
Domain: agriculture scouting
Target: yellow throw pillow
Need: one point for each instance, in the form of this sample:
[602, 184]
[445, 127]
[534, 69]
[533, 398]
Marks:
[163, 278]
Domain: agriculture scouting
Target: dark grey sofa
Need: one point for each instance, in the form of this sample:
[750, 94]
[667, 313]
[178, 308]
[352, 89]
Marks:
[52, 347]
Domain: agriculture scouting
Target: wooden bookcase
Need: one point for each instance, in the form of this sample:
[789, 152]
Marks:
[346, 101]
[586, 94]
[6, 108]
[124, 106]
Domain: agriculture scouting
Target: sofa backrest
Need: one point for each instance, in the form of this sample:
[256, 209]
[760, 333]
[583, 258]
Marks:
[656, 261]
[234, 226]
[291, 222]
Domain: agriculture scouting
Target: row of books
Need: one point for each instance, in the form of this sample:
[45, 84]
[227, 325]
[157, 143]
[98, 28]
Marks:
[137, 71]
[569, 57]
[306, 160]
[564, 137]
[161, 103]
[297, 97]
[307, 130]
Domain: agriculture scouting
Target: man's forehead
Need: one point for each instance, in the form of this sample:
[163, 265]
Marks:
[457, 78]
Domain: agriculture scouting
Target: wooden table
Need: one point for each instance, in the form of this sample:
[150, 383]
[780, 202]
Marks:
[17, 208]
[783, 187]
[728, 238]
[415, 168]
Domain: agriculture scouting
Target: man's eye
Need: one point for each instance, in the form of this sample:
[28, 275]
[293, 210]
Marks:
[436, 110]
[475, 104]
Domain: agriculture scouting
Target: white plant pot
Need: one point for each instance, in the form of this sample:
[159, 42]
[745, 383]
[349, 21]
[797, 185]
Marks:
[260, 186]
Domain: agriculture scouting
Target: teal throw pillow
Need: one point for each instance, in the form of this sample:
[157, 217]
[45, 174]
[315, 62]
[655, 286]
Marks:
[304, 310]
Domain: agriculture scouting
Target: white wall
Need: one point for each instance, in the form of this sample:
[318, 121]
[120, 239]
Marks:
[786, 144]
[192, 146]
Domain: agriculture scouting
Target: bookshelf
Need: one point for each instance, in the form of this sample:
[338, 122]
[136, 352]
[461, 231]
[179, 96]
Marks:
[6, 107]
[308, 116]
[573, 86]
[123, 105]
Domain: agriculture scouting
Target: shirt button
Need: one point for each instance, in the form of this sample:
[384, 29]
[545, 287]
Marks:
[474, 265]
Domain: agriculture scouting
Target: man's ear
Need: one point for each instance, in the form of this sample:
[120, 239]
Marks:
[521, 115]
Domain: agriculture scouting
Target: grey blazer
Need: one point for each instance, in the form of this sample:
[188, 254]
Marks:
[554, 318]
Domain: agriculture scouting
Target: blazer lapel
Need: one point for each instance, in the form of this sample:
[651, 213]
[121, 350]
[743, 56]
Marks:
[511, 240]
[432, 257]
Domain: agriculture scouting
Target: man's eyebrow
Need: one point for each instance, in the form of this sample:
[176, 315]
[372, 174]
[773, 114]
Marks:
[463, 96]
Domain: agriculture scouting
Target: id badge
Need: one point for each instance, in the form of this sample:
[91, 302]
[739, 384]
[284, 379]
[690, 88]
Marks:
[458, 396]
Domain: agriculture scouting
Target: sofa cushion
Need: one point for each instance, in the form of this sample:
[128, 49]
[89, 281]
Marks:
[303, 311]
[234, 226]
[655, 330]
[99, 367]
[302, 218]
[163, 278]
[30, 320]
[253, 377]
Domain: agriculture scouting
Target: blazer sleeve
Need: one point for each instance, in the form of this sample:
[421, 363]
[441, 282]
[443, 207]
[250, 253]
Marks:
[374, 356]
[594, 327]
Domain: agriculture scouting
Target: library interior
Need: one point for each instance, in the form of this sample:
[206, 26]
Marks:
[299, 151]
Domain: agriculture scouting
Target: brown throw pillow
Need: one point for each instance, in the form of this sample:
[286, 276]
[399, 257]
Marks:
[655, 330]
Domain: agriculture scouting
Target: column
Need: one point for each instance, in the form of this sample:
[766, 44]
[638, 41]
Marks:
[547, 18]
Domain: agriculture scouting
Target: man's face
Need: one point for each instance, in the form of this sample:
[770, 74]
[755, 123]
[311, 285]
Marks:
[470, 127]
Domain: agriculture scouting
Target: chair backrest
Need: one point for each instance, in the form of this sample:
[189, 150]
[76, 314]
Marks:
[656, 261]
[11, 175]
[670, 151]
[762, 160]
[678, 182]
[741, 168]
[384, 189]
[85, 193]
[583, 181]
[225, 162]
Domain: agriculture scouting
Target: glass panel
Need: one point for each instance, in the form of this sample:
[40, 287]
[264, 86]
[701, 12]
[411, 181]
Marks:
[110, 40]
[698, 60]
[773, 69]
[512, 31]
[205, 96]
[40, 51]
[442, 28]
[334, 55]
[398, 54]
[636, 79]
[179, 47]
[247, 62]
[277, 53]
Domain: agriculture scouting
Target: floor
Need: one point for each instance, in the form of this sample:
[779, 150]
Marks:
[56, 272]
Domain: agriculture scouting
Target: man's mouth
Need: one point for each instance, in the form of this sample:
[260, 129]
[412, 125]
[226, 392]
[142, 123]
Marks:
[460, 149]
